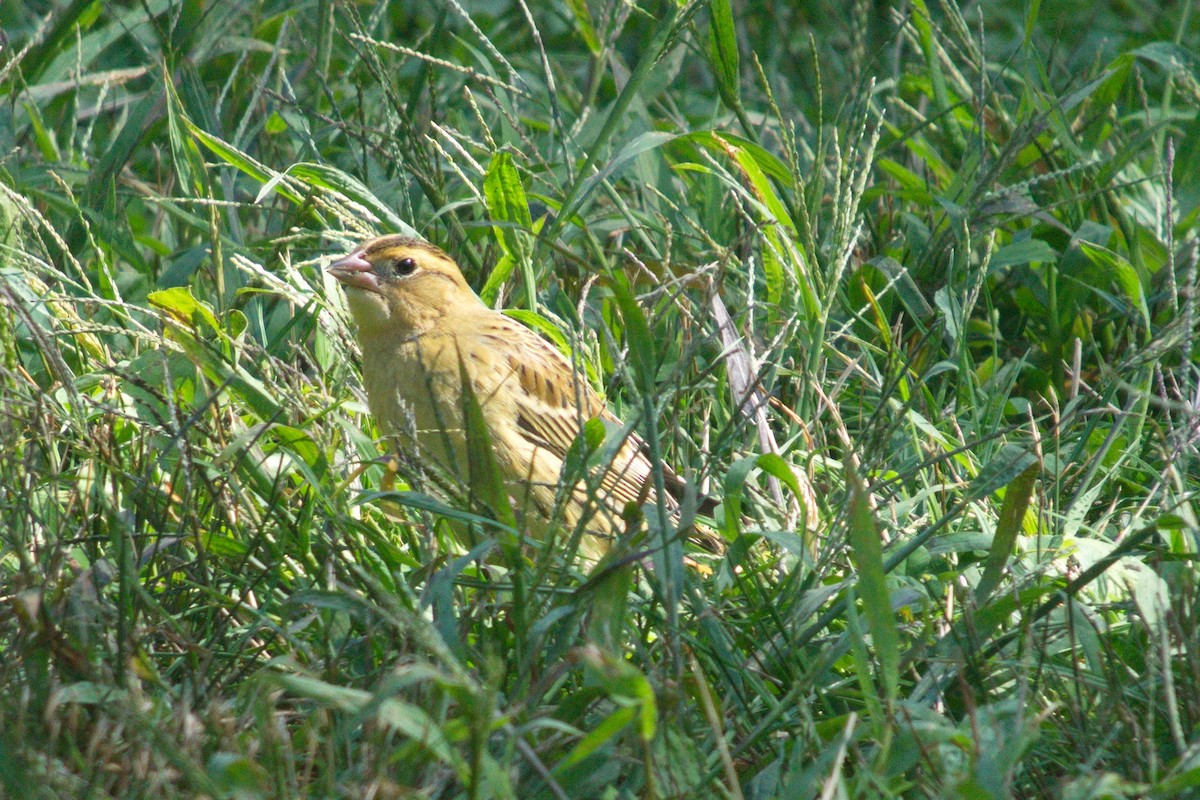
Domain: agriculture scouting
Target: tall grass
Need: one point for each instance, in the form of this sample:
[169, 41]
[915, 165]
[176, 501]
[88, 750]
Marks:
[910, 293]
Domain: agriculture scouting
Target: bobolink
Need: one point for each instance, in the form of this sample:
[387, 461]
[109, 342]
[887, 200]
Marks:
[423, 330]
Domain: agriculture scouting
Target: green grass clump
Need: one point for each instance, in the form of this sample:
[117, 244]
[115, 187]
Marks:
[949, 252]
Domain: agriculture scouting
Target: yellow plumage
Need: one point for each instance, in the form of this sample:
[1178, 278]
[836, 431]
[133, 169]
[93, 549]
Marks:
[422, 329]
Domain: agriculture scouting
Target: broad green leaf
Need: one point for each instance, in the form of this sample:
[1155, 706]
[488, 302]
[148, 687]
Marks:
[583, 19]
[733, 486]
[506, 200]
[1017, 495]
[773, 464]
[904, 285]
[637, 336]
[222, 545]
[633, 695]
[1024, 252]
[532, 319]
[921, 20]
[47, 144]
[774, 274]
[598, 736]
[183, 307]
[496, 279]
[1150, 592]
[1123, 274]
[723, 52]
[512, 226]
[275, 124]
[762, 187]
[1103, 98]
[238, 775]
[718, 142]
[1005, 467]
[1168, 55]
[609, 618]
[866, 551]
[137, 122]
[916, 187]
[438, 596]
[243, 162]
[297, 442]
[189, 166]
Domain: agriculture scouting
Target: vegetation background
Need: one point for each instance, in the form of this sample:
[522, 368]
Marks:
[955, 245]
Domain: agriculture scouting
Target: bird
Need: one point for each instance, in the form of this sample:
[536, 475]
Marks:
[430, 347]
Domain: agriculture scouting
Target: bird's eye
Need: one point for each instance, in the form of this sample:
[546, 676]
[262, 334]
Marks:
[406, 266]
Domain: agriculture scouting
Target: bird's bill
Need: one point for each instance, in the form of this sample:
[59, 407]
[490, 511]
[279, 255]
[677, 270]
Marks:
[354, 270]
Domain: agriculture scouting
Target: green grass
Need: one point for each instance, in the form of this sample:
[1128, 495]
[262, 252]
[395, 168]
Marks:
[958, 247]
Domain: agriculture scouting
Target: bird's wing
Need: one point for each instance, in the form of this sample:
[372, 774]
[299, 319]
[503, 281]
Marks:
[551, 408]
[555, 401]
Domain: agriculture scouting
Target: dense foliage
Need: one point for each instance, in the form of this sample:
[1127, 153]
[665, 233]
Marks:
[948, 253]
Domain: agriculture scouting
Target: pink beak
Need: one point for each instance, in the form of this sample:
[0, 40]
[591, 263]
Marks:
[354, 270]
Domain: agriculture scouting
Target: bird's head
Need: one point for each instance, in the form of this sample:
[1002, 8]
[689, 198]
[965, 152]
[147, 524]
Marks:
[401, 285]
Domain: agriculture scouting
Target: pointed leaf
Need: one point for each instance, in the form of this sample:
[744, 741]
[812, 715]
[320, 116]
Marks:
[866, 551]
[1016, 500]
